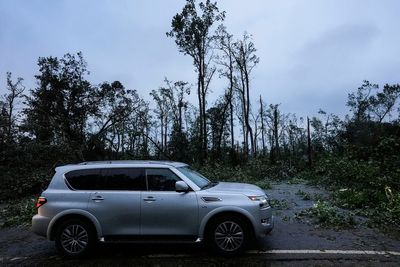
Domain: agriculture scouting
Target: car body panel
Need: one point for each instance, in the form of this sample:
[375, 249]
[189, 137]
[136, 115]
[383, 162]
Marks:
[129, 213]
[159, 218]
[117, 211]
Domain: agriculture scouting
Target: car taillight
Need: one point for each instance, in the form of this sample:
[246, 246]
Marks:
[40, 202]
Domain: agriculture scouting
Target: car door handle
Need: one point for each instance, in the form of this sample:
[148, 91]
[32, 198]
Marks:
[149, 199]
[97, 198]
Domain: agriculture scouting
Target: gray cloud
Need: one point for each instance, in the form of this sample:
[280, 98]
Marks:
[312, 52]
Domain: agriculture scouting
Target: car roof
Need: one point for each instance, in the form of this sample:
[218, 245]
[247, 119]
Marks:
[121, 163]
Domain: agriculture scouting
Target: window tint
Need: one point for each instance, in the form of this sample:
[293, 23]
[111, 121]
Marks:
[124, 179]
[83, 179]
[161, 179]
[107, 179]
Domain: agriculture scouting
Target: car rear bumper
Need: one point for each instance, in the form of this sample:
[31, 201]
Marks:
[40, 224]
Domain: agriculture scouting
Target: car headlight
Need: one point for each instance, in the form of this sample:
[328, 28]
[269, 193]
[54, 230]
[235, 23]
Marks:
[262, 199]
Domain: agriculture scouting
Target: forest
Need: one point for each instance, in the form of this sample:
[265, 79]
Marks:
[68, 119]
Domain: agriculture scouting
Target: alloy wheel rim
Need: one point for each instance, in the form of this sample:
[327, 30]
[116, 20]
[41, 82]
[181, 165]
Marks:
[229, 236]
[74, 239]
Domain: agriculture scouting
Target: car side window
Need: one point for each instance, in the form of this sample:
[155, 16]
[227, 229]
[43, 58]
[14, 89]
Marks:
[161, 179]
[126, 179]
[132, 179]
[86, 179]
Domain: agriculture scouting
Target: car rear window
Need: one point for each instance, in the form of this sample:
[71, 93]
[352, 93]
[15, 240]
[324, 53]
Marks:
[107, 179]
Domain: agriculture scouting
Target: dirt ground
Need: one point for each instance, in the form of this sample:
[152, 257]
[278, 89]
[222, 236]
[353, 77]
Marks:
[293, 242]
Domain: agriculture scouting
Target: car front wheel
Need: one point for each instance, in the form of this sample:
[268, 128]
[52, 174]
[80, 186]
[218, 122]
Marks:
[228, 235]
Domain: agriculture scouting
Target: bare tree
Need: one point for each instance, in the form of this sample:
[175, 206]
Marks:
[175, 93]
[246, 60]
[256, 120]
[274, 122]
[15, 91]
[224, 43]
[192, 32]
[162, 112]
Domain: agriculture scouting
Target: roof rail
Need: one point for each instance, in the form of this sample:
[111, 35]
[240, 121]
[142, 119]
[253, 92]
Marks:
[127, 162]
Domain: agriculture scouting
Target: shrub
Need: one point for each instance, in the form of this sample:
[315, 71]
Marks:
[327, 215]
[18, 212]
[303, 195]
[19, 184]
[255, 170]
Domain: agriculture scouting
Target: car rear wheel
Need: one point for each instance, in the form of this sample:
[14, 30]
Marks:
[228, 235]
[74, 238]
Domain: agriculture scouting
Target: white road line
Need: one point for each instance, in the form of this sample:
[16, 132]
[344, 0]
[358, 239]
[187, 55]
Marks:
[18, 258]
[315, 251]
[273, 251]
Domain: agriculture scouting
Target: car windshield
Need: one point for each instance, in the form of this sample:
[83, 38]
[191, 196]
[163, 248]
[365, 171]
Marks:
[194, 176]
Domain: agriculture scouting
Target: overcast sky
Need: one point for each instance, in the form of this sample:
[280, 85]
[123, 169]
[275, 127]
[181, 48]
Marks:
[312, 53]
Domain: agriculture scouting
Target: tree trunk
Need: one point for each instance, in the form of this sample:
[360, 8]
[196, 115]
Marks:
[309, 149]
[262, 125]
[244, 111]
[230, 100]
[277, 154]
[203, 95]
[162, 131]
[180, 116]
[165, 134]
[10, 120]
[249, 129]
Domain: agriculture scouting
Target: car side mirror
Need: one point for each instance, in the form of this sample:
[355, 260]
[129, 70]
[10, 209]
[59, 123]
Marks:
[181, 186]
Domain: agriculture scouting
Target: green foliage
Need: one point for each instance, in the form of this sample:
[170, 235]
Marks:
[28, 168]
[59, 107]
[303, 195]
[191, 27]
[221, 172]
[368, 103]
[178, 145]
[263, 184]
[353, 198]
[21, 185]
[296, 180]
[388, 212]
[365, 180]
[327, 215]
[279, 204]
[256, 170]
[337, 171]
[18, 212]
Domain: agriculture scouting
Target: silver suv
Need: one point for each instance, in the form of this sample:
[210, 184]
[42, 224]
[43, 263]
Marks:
[142, 201]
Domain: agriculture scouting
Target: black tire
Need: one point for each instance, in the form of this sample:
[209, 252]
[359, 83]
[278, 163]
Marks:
[75, 238]
[228, 235]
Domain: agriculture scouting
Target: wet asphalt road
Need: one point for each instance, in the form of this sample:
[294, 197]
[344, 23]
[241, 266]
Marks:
[18, 246]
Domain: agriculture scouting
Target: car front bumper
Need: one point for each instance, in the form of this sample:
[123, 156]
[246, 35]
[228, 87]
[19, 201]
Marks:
[266, 224]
